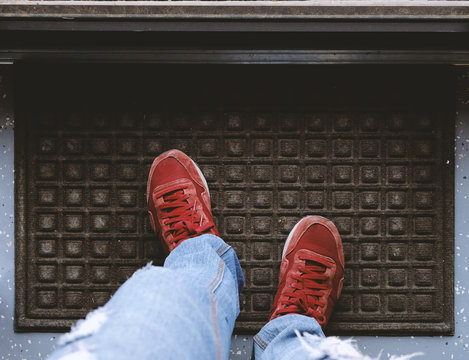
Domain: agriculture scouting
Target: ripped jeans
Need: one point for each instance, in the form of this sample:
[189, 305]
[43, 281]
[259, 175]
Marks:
[185, 310]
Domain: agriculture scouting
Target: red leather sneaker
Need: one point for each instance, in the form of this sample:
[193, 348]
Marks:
[178, 199]
[312, 271]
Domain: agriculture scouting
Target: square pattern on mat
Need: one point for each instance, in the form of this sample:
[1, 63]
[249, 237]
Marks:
[384, 178]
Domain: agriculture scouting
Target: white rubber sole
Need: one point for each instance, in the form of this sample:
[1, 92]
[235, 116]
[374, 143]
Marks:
[287, 243]
[201, 176]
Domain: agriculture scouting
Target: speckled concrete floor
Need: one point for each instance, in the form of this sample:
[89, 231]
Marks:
[39, 345]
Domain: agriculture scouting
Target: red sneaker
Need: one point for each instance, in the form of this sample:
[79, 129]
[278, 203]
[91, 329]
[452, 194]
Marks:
[178, 199]
[312, 271]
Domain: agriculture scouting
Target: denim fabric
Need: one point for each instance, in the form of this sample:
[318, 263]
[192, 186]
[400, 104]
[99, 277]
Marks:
[184, 310]
[278, 340]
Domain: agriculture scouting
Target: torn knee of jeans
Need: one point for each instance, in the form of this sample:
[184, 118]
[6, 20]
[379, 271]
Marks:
[86, 327]
[333, 348]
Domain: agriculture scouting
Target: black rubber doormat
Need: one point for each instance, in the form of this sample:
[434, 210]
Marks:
[370, 148]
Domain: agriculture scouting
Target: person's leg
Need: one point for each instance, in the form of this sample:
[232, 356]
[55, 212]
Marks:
[293, 337]
[278, 338]
[310, 282]
[184, 310]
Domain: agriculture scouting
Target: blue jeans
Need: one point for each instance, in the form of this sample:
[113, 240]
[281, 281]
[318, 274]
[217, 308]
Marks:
[184, 310]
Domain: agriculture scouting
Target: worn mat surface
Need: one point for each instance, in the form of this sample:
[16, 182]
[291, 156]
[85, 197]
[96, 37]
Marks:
[369, 148]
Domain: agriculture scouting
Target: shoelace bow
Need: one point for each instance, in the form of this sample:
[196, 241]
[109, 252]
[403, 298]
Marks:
[181, 215]
[304, 295]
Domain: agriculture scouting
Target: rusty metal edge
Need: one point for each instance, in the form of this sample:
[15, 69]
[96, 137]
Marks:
[369, 329]
[44, 325]
[159, 10]
[21, 231]
[449, 134]
[416, 329]
[220, 56]
[234, 25]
